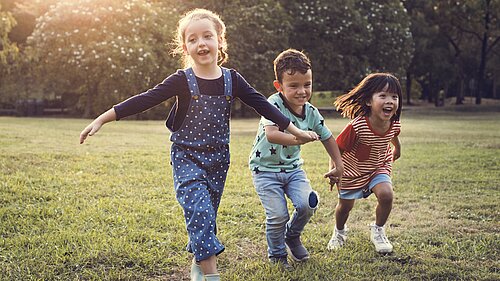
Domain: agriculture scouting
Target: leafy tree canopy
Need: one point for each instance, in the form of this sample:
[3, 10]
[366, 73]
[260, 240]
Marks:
[102, 50]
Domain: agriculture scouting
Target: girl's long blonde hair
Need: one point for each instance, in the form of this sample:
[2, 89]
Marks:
[198, 14]
[354, 103]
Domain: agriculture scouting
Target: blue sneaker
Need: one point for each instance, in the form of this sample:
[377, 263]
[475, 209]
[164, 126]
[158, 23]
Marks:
[282, 261]
[296, 250]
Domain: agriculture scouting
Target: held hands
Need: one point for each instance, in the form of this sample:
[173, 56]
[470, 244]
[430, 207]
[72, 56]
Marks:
[396, 153]
[90, 130]
[306, 136]
[334, 176]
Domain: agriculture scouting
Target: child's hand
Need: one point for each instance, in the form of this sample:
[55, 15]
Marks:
[396, 153]
[335, 177]
[90, 130]
[306, 136]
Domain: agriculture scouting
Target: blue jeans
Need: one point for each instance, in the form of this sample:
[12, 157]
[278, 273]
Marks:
[272, 188]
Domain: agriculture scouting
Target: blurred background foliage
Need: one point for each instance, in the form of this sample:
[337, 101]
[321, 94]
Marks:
[85, 55]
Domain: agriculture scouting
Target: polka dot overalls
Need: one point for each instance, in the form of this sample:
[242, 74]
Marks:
[200, 161]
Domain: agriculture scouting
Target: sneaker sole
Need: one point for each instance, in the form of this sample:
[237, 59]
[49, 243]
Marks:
[384, 251]
[333, 248]
[294, 257]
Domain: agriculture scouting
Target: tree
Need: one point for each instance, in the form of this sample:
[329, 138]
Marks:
[471, 24]
[8, 50]
[102, 51]
[390, 46]
[257, 32]
[347, 41]
[433, 64]
[333, 37]
[25, 13]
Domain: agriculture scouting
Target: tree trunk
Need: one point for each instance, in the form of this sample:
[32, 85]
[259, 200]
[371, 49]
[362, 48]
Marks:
[408, 88]
[91, 92]
[482, 68]
[484, 48]
[431, 91]
[460, 92]
[494, 90]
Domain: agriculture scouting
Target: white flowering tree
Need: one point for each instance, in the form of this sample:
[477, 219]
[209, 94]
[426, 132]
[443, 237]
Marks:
[102, 51]
[390, 46]
[347, 40]
[257, 32]
[333, 35]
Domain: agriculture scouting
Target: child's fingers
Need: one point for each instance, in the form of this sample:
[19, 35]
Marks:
[333, 180]
[88, 131]
[94, 129]
[333, 183]
[316, 136]
[84, 134]
[330, 174]
[312, 135]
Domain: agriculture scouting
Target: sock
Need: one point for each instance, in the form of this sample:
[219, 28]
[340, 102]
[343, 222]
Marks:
[340, 231]
[196, 274]
[212, 277]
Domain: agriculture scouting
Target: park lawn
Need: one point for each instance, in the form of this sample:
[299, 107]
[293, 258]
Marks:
[106, 210]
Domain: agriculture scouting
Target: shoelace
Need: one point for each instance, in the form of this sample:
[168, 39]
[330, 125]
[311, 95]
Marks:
[340, 238]
[380, 237]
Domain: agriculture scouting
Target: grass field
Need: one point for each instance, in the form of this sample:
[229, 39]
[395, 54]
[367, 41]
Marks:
[106, 210]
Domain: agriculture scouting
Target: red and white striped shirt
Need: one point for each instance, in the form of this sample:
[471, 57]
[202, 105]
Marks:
[365, 152]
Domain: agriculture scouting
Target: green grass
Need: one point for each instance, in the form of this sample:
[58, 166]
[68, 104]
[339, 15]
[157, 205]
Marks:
[106, 210]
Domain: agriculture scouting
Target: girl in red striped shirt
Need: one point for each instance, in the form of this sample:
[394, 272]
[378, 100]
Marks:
[374, 106]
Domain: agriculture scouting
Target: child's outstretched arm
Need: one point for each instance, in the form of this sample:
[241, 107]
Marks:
[93, 127]
[274, 135]
[301, 135]
[396, 153]
[336, 165]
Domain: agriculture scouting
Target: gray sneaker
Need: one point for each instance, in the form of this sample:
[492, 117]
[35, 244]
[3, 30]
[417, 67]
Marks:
[281, 261]
[296, 250]
[338, 239]
[378, 238]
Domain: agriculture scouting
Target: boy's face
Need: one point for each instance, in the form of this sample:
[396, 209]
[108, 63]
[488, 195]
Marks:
[296, 89]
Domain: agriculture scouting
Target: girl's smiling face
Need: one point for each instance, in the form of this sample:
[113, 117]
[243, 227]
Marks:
[201, 42]
[383, 105]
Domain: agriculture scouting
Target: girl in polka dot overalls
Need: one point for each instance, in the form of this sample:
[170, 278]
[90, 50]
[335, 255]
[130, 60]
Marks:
[199, 121]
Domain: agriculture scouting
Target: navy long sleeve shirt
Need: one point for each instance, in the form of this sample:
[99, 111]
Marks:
[176, 85]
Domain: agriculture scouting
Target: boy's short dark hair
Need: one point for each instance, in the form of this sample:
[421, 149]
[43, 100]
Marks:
[291, 61]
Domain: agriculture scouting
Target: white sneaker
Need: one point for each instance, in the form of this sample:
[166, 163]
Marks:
[378, 238]
[338, 239]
